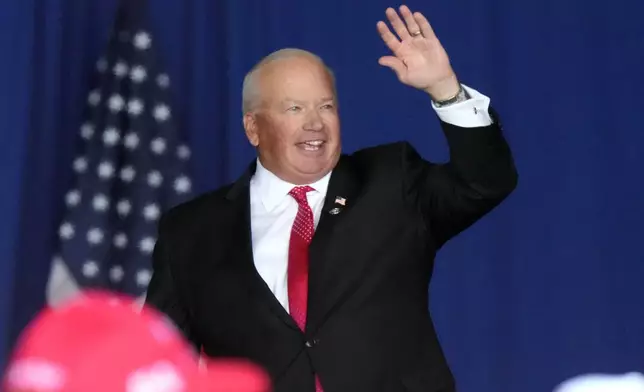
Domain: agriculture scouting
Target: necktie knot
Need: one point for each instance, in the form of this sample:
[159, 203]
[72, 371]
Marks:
[299, 193]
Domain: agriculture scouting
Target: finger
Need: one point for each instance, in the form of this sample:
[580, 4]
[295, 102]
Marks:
[387, 36]
[425, 27]
[394, 63]
[412, 26]
[397, 23]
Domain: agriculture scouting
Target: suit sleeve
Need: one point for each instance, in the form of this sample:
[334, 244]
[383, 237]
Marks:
[452, 196]
[162, 293]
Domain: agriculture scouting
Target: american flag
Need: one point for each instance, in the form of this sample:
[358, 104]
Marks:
[131, 166]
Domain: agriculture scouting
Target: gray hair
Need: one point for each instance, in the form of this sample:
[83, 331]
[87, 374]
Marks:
[250, 87]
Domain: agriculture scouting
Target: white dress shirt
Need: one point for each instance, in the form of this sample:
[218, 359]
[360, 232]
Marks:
[273, 210]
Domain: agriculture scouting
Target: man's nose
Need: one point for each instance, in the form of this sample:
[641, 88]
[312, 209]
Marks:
[314, 122]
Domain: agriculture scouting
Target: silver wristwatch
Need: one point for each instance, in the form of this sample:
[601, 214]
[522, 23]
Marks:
[460, 97]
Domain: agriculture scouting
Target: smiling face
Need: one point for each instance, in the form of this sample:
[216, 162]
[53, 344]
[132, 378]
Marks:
[295, 125]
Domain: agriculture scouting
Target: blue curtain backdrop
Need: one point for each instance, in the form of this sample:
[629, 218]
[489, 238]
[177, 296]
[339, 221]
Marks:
[548, 286]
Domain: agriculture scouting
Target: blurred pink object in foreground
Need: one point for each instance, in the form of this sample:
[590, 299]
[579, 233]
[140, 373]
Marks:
[103, 342]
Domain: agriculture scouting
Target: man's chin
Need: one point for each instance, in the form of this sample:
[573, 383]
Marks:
[309, 172]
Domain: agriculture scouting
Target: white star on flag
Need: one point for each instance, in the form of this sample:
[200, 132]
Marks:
[147, 245]
[72, 198]
[95, 236]
[90, 268]
[142, 40]
[143, 277]
[66, 230]
[182, 185]
[128, 173]
[135, 107]
[120, 240]
[105, 170]
[138, 74]
[124, 207]
[131, 140]
[161, 112]
[158, 145]
[116, 103]
[155, 179]
[151, 212]
[100, 202]
[80, 164]
[163, 80]
[94, 98]
[183, 152]
[116, 273]
[120, 69]
[87, 131]
[111, 136]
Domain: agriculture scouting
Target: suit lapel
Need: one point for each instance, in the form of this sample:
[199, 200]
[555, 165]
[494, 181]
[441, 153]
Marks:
[242, 254]
[324, 267]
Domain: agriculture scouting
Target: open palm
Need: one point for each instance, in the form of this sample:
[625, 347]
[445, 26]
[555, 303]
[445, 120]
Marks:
[419, 60]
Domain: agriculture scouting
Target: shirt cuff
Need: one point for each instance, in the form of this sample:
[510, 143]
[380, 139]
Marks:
[467, 114]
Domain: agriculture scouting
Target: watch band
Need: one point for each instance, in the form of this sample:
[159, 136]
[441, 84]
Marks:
[461, 96]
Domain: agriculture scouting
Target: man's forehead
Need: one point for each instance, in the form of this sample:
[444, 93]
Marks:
[294, 79]
[292, 61]
[291, 66]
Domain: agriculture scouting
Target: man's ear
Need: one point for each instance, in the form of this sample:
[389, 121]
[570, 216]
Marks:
[250, 126]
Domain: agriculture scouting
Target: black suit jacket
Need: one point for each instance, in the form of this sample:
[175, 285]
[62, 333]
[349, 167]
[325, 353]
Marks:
[369, 328]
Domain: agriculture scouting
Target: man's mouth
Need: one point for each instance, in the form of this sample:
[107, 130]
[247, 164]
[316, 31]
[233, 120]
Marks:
[312, 145]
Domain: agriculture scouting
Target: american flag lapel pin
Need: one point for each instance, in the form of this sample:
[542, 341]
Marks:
[340, 200]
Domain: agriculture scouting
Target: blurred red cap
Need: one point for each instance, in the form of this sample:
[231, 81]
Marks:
[103, 342]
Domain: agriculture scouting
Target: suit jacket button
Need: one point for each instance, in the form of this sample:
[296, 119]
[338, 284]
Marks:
[311, 343]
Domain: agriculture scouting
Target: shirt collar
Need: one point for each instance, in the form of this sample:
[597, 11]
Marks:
[272, 190]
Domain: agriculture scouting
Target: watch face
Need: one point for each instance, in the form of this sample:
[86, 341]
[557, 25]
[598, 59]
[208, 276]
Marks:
[460, 97]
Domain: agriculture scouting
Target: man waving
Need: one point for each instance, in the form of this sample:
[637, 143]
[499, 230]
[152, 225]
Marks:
[316, 264]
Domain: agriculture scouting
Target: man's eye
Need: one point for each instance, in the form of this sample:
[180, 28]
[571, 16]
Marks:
[294, 109]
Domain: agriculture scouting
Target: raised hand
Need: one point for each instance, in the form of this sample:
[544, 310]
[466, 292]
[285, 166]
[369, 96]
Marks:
[419, 59]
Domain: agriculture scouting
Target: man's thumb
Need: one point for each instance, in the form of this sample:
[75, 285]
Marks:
[394, 63]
